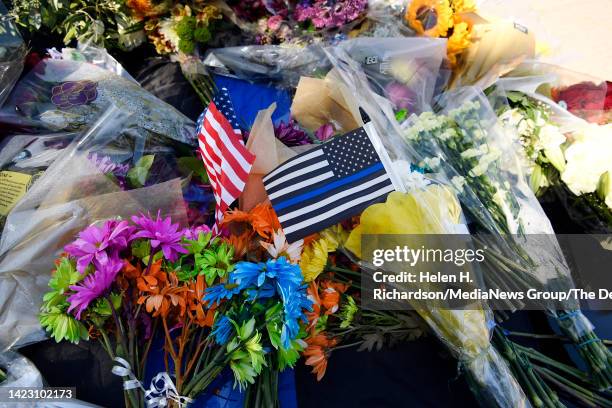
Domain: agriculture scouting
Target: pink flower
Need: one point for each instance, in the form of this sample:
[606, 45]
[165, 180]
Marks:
[274, 22]
[193, 233]
[162, 233]
[99, 244]
[400, 95]
[324, 132]
[93, 286]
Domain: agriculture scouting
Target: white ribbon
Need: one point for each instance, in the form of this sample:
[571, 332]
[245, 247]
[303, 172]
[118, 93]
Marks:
[124, 370]
[161, 390]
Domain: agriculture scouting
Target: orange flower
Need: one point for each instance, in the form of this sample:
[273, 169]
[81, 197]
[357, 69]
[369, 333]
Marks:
[317, 353]
[330, 295]
[140, 7]
[195, 304]
[313, 295]
[262, 219]
[161, 292]
[240, 243]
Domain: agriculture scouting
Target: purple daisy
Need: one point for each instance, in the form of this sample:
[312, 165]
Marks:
[99, 244]
[162, 233]
[93, 286]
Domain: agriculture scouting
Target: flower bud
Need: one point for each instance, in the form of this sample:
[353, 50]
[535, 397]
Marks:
[604, 188]
[555, 157]
[538, 179]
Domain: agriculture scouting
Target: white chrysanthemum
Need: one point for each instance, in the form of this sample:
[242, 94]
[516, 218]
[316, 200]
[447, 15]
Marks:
[280, 247]
[588, 158]
[167, 29]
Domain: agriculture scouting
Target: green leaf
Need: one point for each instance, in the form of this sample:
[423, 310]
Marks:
[53, 299]
[274, 324]
[141, 248]
[65, 275]
[198, 245]
[102, 307]
[193, 165]
[139, 173]
[70, 34]
[288, 357]
[247, 329]
[63, 326]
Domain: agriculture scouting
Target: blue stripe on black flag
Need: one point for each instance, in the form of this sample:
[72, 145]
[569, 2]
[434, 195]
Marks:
[327, 184]
[328, 187]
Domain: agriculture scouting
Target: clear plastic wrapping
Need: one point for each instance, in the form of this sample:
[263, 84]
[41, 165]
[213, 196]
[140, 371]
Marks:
[67, 95]
[465, 332]
[403, 69]
[12, 54]
[20, 372]
[81, 186]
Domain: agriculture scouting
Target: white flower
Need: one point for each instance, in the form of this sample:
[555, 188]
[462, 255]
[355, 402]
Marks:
[549, 137]
[485, 161]
[511, 117]
[588, 157]
[281, 247]
[500, 199]
[431, 162]
[167, 30]
[458, 182]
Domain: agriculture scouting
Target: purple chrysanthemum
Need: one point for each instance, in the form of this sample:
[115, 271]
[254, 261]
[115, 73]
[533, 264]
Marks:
[107, 166]
[93, 286]
[291, 134]
[162, 233]
[98, 245]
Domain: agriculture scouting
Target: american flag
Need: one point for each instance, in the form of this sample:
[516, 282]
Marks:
[327, 184]
[227, 160]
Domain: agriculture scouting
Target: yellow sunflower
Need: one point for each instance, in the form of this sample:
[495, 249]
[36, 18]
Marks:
[458, 41]
[463, 6]
[432, 18]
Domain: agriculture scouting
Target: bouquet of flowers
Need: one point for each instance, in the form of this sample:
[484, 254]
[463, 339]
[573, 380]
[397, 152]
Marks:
[337, 319]
[575, 167]
[443, 19]
[297, 22]
[462, 143]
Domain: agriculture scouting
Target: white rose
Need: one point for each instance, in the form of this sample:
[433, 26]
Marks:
[588, 158]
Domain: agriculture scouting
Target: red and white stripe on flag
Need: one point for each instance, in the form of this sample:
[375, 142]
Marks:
[227, 161]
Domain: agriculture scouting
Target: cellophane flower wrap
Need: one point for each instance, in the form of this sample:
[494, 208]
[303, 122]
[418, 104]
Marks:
[486, 168]
[429, 209]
